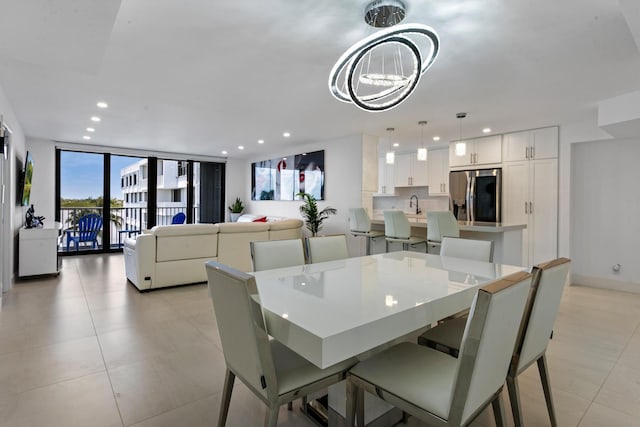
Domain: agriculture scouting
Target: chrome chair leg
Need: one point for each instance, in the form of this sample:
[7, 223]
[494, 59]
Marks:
[498, 410]
[514, 399]
[546, 386]
[229, 379]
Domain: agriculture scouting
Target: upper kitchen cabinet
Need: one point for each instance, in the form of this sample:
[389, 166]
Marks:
[410, 172]
[531, 144]
[474, 152]
[385, 178]
[438, 170]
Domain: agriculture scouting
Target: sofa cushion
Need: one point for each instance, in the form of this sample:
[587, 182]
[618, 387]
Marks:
[184, 229]
[285, 224]
[242, 227]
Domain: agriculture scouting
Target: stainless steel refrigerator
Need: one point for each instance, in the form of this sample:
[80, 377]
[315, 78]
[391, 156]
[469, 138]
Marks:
[476, 195]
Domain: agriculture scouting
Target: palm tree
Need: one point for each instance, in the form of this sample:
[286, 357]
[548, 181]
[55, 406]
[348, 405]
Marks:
[312, 217]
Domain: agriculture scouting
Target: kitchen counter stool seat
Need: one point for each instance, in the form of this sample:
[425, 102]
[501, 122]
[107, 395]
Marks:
[398, 230]
[360, 225]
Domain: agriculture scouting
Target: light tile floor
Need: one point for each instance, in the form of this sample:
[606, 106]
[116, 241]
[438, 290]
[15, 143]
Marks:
[87, 349]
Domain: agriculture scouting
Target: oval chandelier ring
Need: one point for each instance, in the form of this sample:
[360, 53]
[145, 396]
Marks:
[384, 90]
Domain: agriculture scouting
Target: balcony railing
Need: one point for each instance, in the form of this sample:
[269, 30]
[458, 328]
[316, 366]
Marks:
[123, 223]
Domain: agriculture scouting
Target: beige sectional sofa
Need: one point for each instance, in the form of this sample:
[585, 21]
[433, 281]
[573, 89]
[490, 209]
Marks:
[172, 255]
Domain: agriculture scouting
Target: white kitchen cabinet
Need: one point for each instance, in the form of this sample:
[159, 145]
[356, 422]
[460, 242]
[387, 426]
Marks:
[531, 144]
[38, 250]
[530, 196]
[385, 178]
[409, 171]
[477, 151]
[438, 171]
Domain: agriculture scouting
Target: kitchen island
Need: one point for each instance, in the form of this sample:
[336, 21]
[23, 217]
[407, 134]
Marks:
[506, 238]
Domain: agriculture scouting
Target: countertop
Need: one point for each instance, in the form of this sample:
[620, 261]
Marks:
[484, 227]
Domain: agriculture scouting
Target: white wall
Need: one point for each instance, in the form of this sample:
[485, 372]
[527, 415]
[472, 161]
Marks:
[343, 181]
[43, 189]
[12, 216]
[605, 205]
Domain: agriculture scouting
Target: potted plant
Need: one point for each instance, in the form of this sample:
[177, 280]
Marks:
[313, 218]
[236, 210]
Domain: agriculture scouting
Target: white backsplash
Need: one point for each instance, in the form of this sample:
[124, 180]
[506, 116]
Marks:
[401, 201]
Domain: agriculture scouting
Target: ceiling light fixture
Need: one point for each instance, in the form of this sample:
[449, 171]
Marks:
[391, 155]
[95, 119]
[91, 130]
[224, 152]
[486, 130]
[286, 134]
[382, 70]
[461, 146]
[102, 104]
[87, 137]
[436, 138]
[422, 152]
[261, 141]
[240, 147]
[396, 144]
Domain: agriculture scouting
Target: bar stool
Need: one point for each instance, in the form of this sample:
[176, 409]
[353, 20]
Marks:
[441, 224]
[397, 229]
[360, 225]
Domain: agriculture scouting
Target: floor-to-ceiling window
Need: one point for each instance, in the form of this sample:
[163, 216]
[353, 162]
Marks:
[131, 194]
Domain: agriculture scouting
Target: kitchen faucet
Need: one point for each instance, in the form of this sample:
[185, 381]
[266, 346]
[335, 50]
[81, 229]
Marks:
[418, 210]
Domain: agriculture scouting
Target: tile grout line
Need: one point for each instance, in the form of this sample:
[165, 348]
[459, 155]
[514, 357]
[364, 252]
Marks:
[106, 369]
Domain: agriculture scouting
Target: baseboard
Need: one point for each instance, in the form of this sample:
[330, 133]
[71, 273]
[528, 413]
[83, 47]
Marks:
[599, 282]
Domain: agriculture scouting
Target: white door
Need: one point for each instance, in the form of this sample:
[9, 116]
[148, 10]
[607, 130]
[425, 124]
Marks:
[488, 150]
[545, 143]
[419, 171]
[515, 200]
[544, 198]
[402, 168]
[516, 146]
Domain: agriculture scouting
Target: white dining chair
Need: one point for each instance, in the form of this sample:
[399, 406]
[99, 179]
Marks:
[269, 254]
[360, 225]
[437, 388]
[536, 328]
[326, 248]
[275, 374]
[398, 230]
[477, 250]
[441, 224]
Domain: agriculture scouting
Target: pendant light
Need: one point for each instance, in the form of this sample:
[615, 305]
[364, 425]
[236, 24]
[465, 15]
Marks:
[391, 155]
[422, 152]
[461, 146]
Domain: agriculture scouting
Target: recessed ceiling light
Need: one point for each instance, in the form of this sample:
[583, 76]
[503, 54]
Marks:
[436, 138]
[486, 130]
[102, 104]
[286, 134]
[87, 137]
[395, 144]
[91, 130]
[95, 119]
[240, 147]
[261, 141]
[224, 152]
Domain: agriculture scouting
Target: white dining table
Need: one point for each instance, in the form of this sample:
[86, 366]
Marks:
[332, 311]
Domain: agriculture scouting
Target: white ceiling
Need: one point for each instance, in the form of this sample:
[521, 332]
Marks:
[200, 76]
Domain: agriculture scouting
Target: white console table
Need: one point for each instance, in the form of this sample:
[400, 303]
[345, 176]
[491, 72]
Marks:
[38, 250]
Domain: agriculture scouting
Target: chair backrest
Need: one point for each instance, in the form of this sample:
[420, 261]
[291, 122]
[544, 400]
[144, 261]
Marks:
[441, 224]
[487, 344]
[396, 224]
[269, 254]
[89, 226]
[179, 218]
[542, 311]
[478, 250]
[245, 342]
[327, 248]
[359, 220]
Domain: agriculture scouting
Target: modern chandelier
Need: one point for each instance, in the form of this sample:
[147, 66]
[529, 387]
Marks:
[382, 70]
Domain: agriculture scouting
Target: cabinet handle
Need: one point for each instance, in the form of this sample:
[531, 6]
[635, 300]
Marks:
[525, 208]
[530, 207]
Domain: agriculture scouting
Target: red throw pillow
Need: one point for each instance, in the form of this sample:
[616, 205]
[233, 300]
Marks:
[261, 219]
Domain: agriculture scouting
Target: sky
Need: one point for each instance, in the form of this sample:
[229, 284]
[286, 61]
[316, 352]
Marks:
[81, 174]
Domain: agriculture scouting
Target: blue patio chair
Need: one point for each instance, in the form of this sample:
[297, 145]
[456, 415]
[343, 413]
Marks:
[88, 228]
[179, 218]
